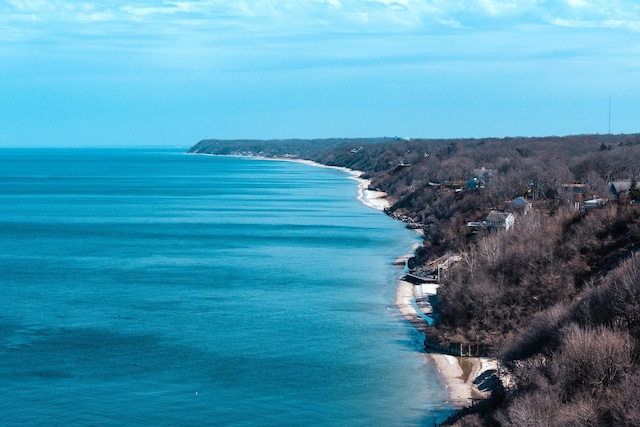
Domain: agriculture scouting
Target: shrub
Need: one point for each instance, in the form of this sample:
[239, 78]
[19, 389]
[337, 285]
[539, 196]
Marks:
[590, 361]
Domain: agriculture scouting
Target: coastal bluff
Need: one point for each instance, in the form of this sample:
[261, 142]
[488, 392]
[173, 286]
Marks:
[549, 298]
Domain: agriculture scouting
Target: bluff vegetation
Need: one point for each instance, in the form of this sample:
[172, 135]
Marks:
[557, 297]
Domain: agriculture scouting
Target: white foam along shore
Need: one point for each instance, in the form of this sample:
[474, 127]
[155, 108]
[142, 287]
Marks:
[378, 200]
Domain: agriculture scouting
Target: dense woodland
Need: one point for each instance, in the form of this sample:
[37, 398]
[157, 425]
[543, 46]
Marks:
[557, 298]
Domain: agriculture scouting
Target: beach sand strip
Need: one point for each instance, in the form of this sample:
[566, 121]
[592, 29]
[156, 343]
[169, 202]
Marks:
[459, 374]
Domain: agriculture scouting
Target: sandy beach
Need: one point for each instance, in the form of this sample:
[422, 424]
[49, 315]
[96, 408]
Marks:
[374, 199]
[405, 299]
[461, 375]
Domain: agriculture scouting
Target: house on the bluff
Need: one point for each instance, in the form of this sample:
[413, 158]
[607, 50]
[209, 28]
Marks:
[496, 221]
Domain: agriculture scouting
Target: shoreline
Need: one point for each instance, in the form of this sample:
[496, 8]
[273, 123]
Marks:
[461, 376]
[378, 200]
[457, 374]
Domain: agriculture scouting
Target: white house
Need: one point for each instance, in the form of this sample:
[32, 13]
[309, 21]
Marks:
[496, 220]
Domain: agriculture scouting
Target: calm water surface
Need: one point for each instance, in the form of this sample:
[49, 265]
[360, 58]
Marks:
[144, 287]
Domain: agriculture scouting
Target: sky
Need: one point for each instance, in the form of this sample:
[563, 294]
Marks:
[170, 73]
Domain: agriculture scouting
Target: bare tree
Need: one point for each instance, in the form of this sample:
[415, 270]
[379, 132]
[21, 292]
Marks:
[591, 360]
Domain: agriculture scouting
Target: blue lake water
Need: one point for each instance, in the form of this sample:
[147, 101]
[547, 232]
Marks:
[153, 287]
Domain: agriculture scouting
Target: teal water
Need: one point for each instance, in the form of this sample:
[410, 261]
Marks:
[144, 287]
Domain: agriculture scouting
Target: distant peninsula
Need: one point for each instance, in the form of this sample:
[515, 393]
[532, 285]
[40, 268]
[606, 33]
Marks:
[533, 246]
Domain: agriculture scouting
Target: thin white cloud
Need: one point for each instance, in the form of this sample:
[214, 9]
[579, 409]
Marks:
[595, 14]
[453, 23]
[611, 23]
[52, 8]
[167, 9]
[336, 4]
[580, 4]
[499, 8]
